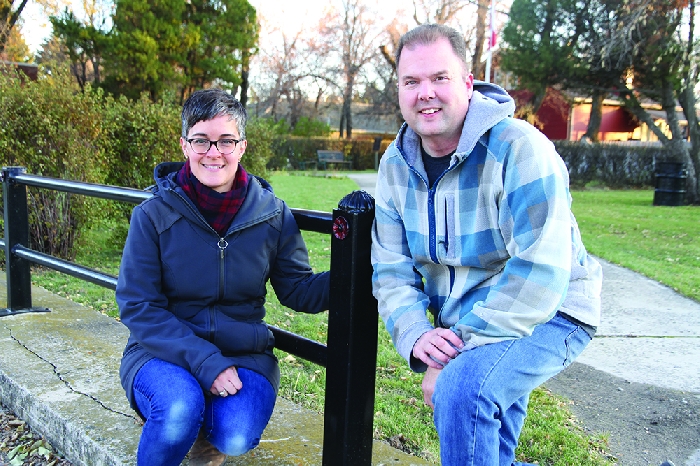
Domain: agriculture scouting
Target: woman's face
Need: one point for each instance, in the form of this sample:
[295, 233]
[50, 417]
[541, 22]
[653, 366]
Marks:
[212, 168]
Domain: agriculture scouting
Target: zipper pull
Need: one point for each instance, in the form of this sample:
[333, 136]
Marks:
[222, 245]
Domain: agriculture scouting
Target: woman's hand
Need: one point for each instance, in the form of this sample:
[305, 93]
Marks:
[226, 383]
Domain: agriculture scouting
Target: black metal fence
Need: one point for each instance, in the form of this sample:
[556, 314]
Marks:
[350, 351]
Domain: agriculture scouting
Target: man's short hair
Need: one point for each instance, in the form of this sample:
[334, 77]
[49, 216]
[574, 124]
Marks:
[427, 34]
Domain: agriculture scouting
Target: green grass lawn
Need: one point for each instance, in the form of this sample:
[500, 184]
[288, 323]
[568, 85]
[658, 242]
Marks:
[660, 242]
[620, 226]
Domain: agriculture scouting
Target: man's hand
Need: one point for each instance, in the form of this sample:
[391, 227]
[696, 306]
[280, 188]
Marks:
[226, 383]
[437, 347]
[428, 385]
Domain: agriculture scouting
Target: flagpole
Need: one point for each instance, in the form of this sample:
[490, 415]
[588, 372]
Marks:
[490, 49]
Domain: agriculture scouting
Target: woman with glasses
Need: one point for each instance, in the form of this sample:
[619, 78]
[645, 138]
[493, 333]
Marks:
[198, 366]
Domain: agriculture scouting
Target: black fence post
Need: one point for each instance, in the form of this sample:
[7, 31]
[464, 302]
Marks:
[17, 270]
[352, 337]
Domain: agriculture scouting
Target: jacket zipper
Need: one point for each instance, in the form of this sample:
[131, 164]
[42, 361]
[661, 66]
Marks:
[223, 244]
[432, 234]
[432, 237]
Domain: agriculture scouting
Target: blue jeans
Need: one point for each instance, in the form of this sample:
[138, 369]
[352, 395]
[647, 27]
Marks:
[481, 396]
[175, 408]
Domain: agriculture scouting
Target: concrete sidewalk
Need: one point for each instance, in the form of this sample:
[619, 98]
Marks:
[639, 379]
[59, 372]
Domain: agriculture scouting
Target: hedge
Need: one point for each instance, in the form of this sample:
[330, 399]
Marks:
[614, 165]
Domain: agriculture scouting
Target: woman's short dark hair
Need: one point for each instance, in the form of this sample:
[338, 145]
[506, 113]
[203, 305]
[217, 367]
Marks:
[207, 104]
[426, 34]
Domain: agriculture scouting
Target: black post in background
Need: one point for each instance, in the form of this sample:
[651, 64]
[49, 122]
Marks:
[352, 337]
[17, 270]
[375, 148]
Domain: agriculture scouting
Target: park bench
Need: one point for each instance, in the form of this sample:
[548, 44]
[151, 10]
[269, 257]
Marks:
[349, 353]
[328, 158]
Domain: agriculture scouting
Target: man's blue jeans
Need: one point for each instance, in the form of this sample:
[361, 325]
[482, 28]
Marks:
[175, 408]
[481, 396]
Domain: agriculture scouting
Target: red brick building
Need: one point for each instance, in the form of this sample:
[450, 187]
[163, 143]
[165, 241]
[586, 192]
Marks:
[30, 70]
[565, 117]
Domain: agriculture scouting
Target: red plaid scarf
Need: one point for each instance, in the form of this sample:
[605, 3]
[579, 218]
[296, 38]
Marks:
[217, 208]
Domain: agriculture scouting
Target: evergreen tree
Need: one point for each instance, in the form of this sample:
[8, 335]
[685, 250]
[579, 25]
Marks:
[85, 45]
[148, 46]
[223, 35]
[539, 41]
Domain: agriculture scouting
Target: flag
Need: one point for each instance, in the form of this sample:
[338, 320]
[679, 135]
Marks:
[492, 42]
[492, 25]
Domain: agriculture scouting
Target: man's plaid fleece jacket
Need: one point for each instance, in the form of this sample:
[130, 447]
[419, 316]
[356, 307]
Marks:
[492, 250]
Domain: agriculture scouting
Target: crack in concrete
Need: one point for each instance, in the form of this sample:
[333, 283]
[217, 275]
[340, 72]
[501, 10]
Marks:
[67, 383]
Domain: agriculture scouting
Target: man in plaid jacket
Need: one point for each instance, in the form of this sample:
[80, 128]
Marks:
[479, 269]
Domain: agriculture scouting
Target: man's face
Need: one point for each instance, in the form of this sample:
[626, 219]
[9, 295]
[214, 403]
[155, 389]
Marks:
[434, 94]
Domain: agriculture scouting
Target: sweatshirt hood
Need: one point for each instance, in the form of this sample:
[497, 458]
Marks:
[166, 168]
[489, 105]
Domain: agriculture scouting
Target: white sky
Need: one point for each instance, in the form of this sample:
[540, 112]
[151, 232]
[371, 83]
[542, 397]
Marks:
[294, 16]
[35, 26]
[290, 16]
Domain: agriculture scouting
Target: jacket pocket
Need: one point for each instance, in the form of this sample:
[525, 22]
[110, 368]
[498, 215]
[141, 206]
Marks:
[234, 337]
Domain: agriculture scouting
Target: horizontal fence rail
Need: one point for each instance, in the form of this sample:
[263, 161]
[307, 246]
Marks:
[349, 354]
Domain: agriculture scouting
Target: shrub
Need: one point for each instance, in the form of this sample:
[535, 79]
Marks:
[53, 130]
[291, 151]
[140, 134]
[614, 165]
[306, 127]
[260, 135]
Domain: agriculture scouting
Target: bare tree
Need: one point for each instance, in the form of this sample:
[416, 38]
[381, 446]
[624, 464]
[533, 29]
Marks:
[449, 12]
[9, 15]
[292, 72]
[482, 11]
[11, 11]
[278, 66]
[438, 12]
[353, 29]
[322, 66]
[16, 49]
[388, 98]
[453, 13]
[350, 56]
[97, 12]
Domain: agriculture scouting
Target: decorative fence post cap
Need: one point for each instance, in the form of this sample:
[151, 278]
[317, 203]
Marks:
[357, 202]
